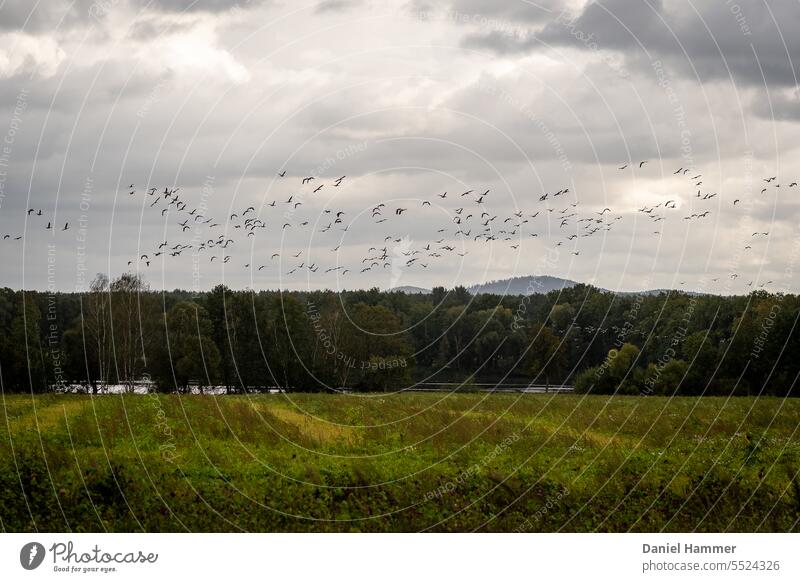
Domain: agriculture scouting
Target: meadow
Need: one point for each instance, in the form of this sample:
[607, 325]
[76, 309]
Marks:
[398, 462]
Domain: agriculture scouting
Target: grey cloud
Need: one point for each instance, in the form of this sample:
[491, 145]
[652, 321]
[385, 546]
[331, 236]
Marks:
[27, 15]
[419, 119]
[54, 15]
[44, 16]
[720, 42]
[151, 27]
[337, 5]
[779, 106]
[713, 43]
[196, 5]
[496, 11]
[501, 42]
[613, 24]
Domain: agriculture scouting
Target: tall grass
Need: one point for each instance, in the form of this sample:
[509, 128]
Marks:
[402, 462]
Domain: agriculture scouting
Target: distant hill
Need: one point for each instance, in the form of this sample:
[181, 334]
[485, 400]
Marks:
[513, 286]
[411, 290]
[653, 292]
[529, 285]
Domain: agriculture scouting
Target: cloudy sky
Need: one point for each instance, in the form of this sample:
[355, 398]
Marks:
[407, 99]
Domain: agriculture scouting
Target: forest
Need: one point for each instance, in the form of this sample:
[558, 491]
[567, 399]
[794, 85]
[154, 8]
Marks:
[120, 332]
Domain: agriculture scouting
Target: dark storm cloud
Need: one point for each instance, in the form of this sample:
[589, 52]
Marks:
[749, 41]
[613, 24]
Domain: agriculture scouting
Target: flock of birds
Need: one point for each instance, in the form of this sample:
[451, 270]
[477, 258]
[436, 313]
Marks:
[471, 221]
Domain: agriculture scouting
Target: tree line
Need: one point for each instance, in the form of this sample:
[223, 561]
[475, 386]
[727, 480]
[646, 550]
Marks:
[120, 332]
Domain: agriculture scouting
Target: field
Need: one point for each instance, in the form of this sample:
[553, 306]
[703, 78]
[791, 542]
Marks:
[407, 462]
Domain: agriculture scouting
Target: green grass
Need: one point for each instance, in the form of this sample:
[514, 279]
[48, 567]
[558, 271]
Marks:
[408, 462]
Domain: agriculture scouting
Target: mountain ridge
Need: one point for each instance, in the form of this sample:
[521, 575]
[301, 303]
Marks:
[530, 285]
